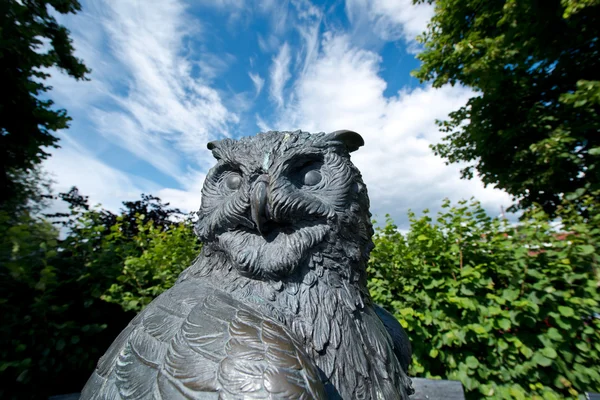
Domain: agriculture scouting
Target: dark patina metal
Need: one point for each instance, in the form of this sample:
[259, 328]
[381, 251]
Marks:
[276, 305]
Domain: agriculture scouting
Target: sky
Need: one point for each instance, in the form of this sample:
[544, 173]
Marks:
[168, 76]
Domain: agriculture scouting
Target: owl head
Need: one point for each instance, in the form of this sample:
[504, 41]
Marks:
[278, 201]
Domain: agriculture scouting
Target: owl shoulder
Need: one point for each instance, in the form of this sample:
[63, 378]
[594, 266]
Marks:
[198, 340]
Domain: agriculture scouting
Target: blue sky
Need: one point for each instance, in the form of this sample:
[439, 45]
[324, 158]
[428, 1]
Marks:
[168, 76]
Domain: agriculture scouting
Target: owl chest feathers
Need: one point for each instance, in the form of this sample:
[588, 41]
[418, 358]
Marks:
[333, 320]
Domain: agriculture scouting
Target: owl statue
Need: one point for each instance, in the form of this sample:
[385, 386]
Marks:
[276, 305]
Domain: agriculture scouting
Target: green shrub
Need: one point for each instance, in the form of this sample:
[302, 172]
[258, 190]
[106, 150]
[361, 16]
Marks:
[506, 309]
[165, 253]
[63, 301]
[53, 327]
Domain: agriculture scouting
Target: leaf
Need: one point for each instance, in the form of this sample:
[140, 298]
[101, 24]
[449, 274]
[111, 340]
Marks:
[525, 309]
[422, 237]
[542, 360]
[549, 352]
[478, 329]
[583, 347]
[472, 362]
[526, 351]
[548, 395]
[502, 344]
[407, 311]
[576, 194]
[554, 334]
[565, 311]
[586, 249]
[504, 324]
[510, 294]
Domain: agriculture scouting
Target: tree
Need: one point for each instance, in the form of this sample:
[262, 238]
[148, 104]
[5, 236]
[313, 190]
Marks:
[64, 300]
[31, 41]
[165, 253]
[507, 310]
[533, 126]
[151, 207]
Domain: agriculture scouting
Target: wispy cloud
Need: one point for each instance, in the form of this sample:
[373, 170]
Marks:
[213, 65]
[278, 13]
[280, 74]
[258, 82]
[125, 131]
[73, 165]
[229, 4]
[163, 96]
[187, 198]
[161, 89]
[308, 27]
[390, 20]
[268, 44]
[150, 93]
[305, 10]
[159, 103]
[262, 125]
[342, 89]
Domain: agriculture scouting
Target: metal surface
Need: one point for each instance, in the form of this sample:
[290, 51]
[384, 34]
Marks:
[430, 389]
[276, 304]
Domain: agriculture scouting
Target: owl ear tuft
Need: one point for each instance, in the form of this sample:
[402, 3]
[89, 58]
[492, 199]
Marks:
[350, 139]
[214, 147]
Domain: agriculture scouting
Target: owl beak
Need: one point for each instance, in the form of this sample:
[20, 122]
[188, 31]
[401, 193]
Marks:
[258, 203]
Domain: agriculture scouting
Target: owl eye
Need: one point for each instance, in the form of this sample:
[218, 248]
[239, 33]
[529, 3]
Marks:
[306, 171]
[233, 181]
[312, 177]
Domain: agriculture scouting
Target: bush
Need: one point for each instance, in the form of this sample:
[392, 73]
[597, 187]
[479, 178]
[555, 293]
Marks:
[165, 253]
[506, 309]
[63, 301]
[53, 327]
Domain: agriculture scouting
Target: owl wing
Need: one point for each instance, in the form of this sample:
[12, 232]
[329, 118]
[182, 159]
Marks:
[402, 347]
[200, 343]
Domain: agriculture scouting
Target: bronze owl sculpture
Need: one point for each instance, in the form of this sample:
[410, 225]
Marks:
[276, 305]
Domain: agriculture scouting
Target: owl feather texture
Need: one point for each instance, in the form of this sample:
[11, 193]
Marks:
[276, 305]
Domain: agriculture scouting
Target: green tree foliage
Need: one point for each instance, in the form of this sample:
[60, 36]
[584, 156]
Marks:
[31, 41]
[533, 126]
[53, 327]
[507, 310]
[54, 292]
[165, 253]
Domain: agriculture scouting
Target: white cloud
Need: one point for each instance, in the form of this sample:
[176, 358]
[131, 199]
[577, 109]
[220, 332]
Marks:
[267, 44]
[280, 73]
[305, 10]
[212, 65]
[342, 90]
[224, 3]
[144, 94]
[184, 200]
[262, 125]
[308, 27]
[72, 165]
[278, 13]
[258, 82]
[163, 96]
[390, 20]
[187, 199]
[150, 93]
[124, 131]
